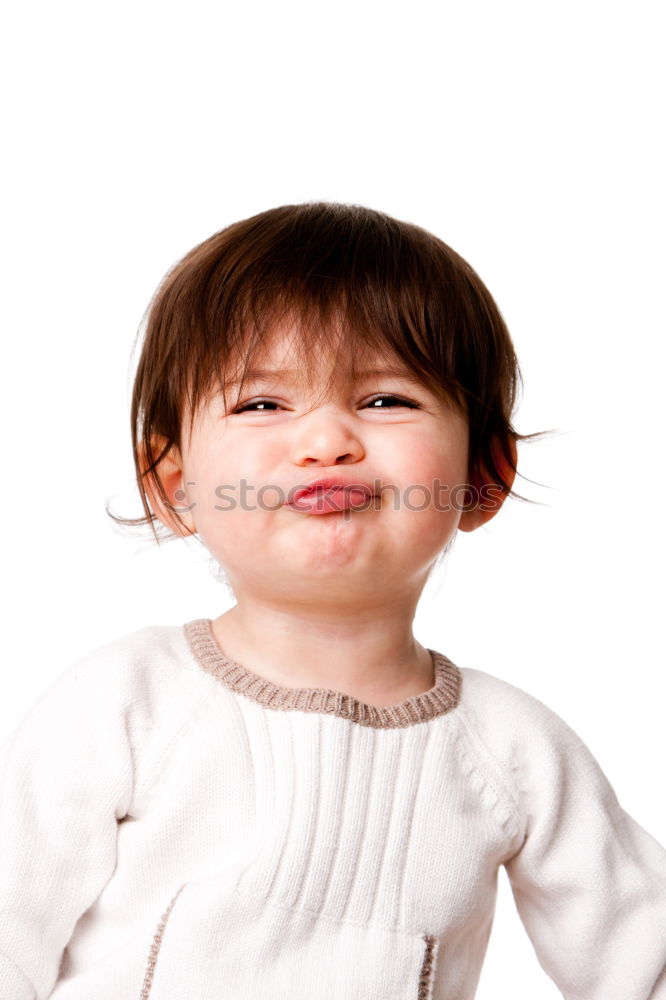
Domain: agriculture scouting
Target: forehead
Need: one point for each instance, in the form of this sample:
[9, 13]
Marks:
[329, 357]
[330, 373]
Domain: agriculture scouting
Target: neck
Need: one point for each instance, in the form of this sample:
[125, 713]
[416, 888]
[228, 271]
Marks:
[371, 655]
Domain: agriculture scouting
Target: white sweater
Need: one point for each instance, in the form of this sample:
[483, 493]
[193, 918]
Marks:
[174, 827]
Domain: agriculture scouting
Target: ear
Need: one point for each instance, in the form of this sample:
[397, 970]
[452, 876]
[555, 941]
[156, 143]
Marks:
[176, 515]
[491, 495]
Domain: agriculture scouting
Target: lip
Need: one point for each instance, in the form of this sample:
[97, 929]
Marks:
[330, 495]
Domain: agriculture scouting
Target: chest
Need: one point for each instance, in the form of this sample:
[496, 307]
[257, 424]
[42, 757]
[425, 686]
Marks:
[398, 828]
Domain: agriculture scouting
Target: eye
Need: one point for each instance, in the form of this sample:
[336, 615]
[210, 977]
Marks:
[262, 406]
[389, 401]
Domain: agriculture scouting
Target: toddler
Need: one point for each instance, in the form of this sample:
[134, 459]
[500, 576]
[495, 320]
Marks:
[297, 800]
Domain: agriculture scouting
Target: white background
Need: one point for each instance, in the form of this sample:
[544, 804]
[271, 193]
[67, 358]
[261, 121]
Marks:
[526, 135]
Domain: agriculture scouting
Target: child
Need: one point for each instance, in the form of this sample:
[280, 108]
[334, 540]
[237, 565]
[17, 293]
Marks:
[296, 799]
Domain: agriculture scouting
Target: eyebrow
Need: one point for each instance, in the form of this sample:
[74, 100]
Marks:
[292, 375]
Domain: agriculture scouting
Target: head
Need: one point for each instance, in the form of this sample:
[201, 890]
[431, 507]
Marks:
[318, 296]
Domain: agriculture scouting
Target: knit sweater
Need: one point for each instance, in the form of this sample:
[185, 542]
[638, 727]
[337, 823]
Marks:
[175, 827]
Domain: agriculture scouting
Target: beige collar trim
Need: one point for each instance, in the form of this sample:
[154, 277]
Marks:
[441, 698]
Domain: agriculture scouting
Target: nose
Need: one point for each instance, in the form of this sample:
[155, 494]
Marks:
[326, 437]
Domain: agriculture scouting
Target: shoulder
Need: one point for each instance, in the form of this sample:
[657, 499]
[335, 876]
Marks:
[137, 666]
[130, 692]
[506, 712]
[527, 744]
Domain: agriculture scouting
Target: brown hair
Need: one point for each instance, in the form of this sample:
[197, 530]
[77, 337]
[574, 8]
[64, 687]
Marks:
[350, 277]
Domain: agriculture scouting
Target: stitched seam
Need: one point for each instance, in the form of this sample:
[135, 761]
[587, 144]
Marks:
[427, 974]
[158, 764]
[490, 770]
[155, 948]
[187, 665]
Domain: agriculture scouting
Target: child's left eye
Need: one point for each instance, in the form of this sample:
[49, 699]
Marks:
[390, 401]
[262, 404]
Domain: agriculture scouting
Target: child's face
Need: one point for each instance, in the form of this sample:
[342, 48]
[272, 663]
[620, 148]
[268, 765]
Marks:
[278, 553]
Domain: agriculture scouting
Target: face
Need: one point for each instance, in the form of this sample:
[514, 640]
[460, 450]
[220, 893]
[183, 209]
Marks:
[240, 467]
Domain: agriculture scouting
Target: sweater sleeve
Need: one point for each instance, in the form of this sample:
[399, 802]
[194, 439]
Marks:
[66, 779]
[589, 883]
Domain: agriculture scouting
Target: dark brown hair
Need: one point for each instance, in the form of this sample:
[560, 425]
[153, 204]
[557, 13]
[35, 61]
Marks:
[352, 279]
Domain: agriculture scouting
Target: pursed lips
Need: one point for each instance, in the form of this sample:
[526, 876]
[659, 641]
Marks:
[329, 495]
[332, 483]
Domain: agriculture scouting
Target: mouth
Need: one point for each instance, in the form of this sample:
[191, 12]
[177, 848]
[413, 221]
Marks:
[331, 498]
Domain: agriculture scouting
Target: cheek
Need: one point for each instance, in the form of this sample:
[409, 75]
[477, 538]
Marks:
[431, 478]
[233, 502]
[428, 463]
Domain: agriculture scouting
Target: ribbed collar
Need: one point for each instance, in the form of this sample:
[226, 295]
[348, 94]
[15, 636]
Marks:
[439, 699]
